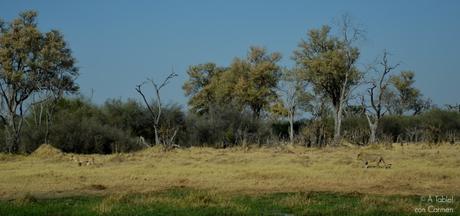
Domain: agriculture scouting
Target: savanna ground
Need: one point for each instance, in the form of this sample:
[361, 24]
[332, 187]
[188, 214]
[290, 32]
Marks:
[256, 181]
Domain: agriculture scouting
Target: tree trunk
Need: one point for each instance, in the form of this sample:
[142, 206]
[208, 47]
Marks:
[337, 125]
[291, 127]
[373, 124]
[13, 140]
[12, 134]
[157, 138]
[373, 129]
[47, 127]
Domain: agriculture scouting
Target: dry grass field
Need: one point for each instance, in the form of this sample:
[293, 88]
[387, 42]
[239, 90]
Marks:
[416, 170]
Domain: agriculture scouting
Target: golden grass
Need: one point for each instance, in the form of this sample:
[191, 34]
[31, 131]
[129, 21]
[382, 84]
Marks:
[417, 169]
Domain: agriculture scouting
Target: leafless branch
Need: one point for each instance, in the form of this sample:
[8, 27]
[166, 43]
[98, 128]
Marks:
[157, 87]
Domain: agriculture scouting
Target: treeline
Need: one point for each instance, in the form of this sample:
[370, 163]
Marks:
[81, 126]
[324, 99]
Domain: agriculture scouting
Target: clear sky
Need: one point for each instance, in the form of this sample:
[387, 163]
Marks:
[120, 43]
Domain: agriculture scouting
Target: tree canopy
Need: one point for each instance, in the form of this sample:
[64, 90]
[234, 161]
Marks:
[247, 83]
[32, 65]
[329, 63]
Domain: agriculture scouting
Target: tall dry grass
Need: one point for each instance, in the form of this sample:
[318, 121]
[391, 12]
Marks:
[417, 169]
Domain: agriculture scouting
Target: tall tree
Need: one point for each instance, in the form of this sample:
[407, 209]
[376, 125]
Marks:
[294, 97]
[407, 97]
[258, 77]
[31, 63]
[378, 94]
[330, 65]
[199, 86]
[247, 83]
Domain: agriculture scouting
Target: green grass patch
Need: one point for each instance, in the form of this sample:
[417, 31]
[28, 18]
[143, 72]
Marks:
[182, 201]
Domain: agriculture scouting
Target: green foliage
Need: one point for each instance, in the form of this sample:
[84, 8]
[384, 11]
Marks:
[227, 104]
[199, 87]
[317, 132]
[328, 63]
[128, 116]
[225, 126]
[199, 202]
[132, 117]
[356, 130]
[32, 65]
[281, 128]
[82, 127]
[407, 97]
[258, 77]
[432, 126]
[397, 126]
[247, 83]
[294, 95]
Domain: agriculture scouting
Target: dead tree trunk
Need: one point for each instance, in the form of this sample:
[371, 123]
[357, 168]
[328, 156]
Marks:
[156, 116]
[377, 93]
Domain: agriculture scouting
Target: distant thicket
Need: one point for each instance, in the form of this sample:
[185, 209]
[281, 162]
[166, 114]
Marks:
[83, 127]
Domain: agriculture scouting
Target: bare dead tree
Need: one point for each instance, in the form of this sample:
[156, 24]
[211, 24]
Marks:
[168, 134]
[377, 93]
[141, 141]
[155, 114]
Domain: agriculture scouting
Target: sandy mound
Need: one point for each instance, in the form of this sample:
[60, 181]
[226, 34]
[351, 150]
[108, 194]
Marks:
[47, 151]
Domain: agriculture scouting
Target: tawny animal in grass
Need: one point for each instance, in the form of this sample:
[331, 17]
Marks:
[376, 159]
[81, 162]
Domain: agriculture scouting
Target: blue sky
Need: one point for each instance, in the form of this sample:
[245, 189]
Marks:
[120, 43]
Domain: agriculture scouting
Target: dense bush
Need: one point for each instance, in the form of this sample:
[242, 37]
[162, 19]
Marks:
[356, 130]
[225, 126]
[281, 128]
[77, 125]
[317, 132]
[132, 117]
[433, 126]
